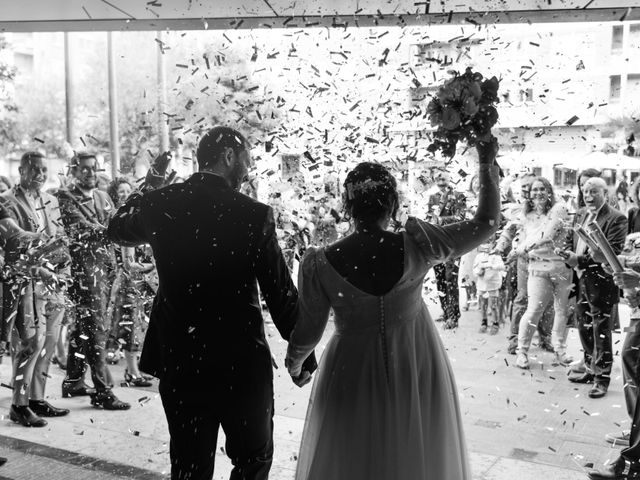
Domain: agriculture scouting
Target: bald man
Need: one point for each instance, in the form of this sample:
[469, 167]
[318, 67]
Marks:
[597, 293]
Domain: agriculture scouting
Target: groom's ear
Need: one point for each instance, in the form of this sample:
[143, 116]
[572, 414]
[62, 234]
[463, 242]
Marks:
[227, 156]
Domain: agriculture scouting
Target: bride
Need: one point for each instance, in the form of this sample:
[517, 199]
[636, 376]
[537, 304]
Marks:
[384, 405]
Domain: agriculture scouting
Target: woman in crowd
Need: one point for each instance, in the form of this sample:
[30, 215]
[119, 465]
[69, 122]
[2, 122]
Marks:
[632, 215]
[128, 295]
[625, 201]
[544, 225]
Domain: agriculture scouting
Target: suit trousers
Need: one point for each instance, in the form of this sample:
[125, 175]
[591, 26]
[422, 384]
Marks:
[631, 365]
[519, 306]
[26, 342]
[594, 328]
[447, 284]
[89, 333]
[194, 414]
[46, 349]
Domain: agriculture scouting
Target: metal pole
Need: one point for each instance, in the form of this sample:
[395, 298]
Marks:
[163, 127]
[113, 109]
[68, 88]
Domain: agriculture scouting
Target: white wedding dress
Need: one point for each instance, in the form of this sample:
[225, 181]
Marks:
[384, 404]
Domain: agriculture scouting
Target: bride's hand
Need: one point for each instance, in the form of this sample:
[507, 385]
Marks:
[298, 376]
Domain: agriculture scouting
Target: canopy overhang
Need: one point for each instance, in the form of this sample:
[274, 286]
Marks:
[118, 15]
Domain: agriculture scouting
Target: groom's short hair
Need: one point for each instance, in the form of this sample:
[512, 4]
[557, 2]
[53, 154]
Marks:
[214, 143]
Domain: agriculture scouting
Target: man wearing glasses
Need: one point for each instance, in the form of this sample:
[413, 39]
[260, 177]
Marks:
[85, 213]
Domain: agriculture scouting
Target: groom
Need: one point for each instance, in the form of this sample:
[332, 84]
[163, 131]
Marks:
[206, 341]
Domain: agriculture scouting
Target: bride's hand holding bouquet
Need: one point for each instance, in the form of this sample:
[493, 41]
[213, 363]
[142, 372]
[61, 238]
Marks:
[464, 109]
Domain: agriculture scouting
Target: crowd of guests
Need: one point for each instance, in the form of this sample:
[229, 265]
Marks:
[69, 296]
[72, 297]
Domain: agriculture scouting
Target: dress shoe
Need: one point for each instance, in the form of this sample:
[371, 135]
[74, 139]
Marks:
[3, 460]
[135, 380]
[618, 470]
[561, 359]
[75, 389]
[581, 378]
[598, 390]
[45, 409]
[108, 401]
[620, 439]
[25, 417]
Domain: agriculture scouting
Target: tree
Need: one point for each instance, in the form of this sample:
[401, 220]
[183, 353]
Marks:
[7, 106]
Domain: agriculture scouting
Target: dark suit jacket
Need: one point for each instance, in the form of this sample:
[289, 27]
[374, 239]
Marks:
[600, 288]
[212, 246]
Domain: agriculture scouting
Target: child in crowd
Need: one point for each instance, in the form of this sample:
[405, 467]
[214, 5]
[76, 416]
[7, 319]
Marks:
[489, 270]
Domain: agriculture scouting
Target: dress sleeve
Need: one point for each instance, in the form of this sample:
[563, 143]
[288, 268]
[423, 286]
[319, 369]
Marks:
[314, 313]
[440, 243]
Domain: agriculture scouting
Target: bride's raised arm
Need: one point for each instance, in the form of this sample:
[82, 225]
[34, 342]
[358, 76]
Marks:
[439, 243]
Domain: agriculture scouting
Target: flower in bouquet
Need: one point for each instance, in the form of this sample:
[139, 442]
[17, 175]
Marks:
[462, 109]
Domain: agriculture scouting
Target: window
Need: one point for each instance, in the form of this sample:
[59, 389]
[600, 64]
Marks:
[634, 36]
[616, 38]
[570, 178]
[557, 176]
[614, 88]
[633, 87]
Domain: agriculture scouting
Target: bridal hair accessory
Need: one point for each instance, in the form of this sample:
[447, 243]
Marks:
[355, 188]
[463, 109]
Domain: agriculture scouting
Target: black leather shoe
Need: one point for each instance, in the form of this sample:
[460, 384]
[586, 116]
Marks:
[3, 460]
[599, 390]
[45, 409]
[75, 389]
[25, 417]
[618, 470]
[581, 378]
[108, 401]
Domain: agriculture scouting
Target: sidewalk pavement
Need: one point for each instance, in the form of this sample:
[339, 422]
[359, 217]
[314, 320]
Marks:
[530, 424]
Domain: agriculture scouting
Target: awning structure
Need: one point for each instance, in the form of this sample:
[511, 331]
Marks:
[601, 160]
[116, 15]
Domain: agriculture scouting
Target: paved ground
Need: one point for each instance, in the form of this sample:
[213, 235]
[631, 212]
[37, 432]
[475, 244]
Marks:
[532, 424]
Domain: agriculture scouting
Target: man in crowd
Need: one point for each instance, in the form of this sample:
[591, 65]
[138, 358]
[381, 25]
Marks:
[597, 293]
[505, 243]
[35, 332]
[85, 213]
[627, 465]
[447, 206]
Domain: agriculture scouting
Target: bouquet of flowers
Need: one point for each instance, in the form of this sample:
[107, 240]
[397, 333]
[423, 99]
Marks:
[463, 109]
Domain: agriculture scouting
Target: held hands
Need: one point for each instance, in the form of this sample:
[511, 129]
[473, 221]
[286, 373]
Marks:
[301, 374]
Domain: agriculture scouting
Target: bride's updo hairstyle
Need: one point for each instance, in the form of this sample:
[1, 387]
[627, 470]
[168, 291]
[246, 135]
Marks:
[370, 193]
